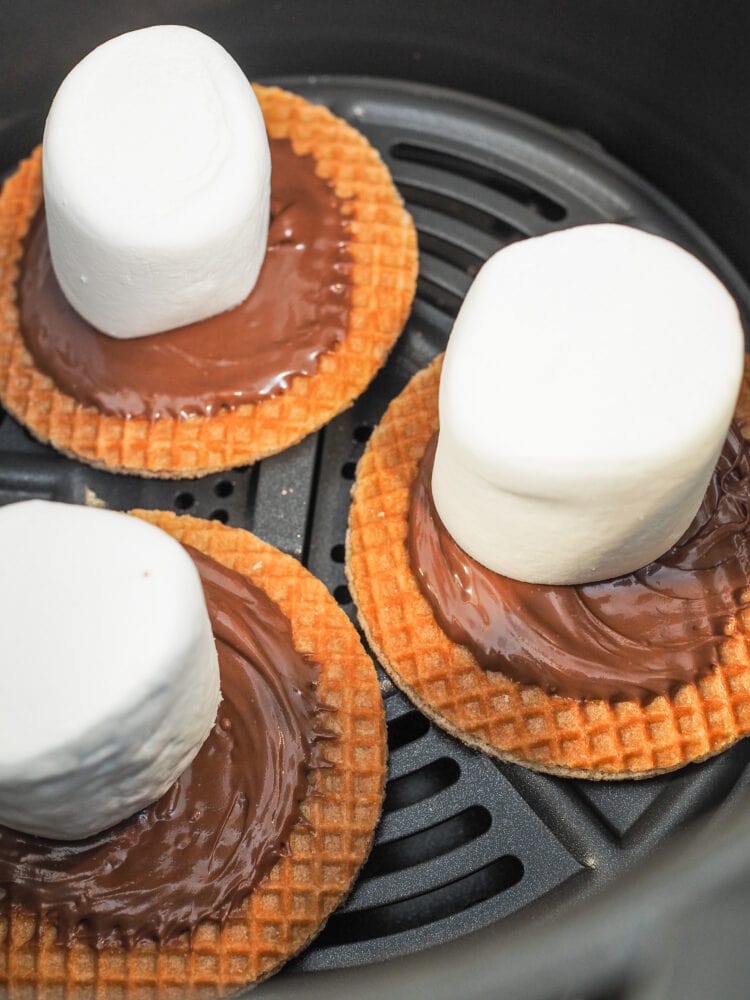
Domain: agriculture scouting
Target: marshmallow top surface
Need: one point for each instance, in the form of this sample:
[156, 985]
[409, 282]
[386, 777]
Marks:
[146, 125]
[155, 159]
[109, 681]
[587, 388]
[596, 344]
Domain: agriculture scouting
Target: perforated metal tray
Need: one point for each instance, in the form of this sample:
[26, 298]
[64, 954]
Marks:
[464, 842]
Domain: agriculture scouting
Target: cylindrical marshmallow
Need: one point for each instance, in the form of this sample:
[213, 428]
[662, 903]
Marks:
[109, 682]
[586, 392]
[156, 182]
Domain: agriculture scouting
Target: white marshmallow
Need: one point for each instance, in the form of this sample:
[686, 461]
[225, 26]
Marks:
[587, 390]
[156, 182]
[109, 682]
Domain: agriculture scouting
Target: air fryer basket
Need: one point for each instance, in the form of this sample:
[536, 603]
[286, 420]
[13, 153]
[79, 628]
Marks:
[505, 874]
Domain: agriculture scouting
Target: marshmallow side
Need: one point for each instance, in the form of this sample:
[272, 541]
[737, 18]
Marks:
[156, 172]
[586, 393]
[110, 680]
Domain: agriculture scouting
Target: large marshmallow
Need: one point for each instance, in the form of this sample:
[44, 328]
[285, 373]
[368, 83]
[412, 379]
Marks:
[156, 182]
[109, 682]
[587, 390]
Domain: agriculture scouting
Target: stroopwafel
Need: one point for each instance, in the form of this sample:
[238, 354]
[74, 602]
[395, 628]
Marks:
[512, 721]
[327, 846]
[383, 251]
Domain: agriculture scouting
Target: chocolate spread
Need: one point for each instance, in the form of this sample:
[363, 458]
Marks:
[629, 638]
[298, 310]
[203, 846]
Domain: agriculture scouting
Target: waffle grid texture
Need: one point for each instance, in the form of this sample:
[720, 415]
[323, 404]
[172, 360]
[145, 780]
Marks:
[383, 252]
[512, 721]
[327, 847]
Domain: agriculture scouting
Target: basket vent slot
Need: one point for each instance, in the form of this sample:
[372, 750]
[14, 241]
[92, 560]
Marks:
[421, 784]
[462, 211]
[472, 170]
[406, 729]
[426, 908]
[426, 845]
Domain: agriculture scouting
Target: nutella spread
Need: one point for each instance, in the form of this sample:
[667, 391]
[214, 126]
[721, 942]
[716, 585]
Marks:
[298, 310]
[201, 848]
[631, 637]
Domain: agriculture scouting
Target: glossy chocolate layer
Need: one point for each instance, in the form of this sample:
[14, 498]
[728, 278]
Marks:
[201, 848]
[628, 638]
[298, 310]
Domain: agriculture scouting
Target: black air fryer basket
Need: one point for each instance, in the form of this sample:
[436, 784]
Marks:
[486, 879]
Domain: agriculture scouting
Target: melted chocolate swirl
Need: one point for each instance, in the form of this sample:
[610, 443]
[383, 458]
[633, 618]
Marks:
[298, 310]
[629, 638]
[201, 848]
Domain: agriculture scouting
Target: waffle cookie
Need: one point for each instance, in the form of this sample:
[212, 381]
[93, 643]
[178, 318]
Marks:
[486, 710]
[383, 252]
[327, 847]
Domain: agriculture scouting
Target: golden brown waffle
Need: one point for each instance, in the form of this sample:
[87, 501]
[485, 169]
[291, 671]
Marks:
[512, 721]
[291, 904]
[383, 250]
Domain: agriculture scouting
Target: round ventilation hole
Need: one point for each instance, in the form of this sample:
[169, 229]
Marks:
[362, 433]
[224, 488]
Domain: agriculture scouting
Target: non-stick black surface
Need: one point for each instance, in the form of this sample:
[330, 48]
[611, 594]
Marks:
[464, 841]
